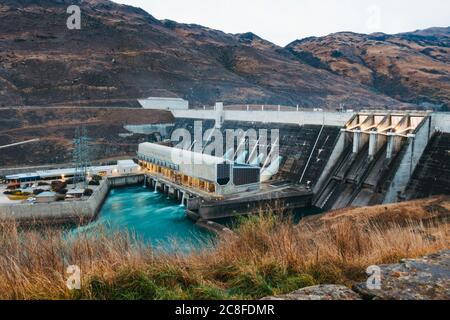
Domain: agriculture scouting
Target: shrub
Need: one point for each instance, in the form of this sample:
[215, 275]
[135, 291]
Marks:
[58, 185]
[96, 177]
[336, 54]
[88, 192]
[37, 191]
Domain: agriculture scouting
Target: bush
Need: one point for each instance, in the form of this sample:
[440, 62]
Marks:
[336, 54]
[88, 192]
[60, 197]
[37, 191]
[97, 178]
[94, 183]
[57, 186]
[16, 193]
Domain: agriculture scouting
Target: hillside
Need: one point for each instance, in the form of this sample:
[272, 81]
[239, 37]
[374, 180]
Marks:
[412, 67]
[55, 127]
[122, 53]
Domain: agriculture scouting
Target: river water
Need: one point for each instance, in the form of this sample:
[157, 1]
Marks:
[158, 220]
[153, 217]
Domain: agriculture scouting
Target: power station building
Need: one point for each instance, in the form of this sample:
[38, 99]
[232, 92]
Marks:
[209, 174]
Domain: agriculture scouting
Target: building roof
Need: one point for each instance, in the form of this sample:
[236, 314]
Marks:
[126, 163]
[177, 155]
[164, 98]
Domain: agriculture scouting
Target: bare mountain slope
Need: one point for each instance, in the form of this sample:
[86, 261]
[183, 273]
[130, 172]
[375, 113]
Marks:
[123, 53]
[412, 67]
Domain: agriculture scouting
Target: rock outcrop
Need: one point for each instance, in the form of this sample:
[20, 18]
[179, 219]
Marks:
[122, 53]
[426, 278]
[411, 67]
[322, 292]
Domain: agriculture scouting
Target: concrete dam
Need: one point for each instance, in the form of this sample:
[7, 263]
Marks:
[344, 159]
[278, 160]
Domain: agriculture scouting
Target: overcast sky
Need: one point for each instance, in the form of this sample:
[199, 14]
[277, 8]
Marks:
[282, 21]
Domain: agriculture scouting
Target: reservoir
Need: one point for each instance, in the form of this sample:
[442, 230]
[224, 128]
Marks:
[153, 217]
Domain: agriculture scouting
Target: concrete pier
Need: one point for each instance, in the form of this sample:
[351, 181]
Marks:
[273, 198]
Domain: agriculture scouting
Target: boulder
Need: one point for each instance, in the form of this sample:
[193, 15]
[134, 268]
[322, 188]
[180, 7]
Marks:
[321, 292]
[426, 278]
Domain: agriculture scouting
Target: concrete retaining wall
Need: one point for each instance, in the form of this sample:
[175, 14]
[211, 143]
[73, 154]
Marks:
[123, 181]
[441, 121]
[57, 212]
[414, 150]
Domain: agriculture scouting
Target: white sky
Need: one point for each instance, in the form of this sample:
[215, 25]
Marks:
[283, 21]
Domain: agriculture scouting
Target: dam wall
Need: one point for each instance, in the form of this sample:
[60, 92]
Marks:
[441, 121]
[122, 181]
[432, 174]
[373, 159]
[304, 149]
[286, 117]
[336, 153]
[410, 157]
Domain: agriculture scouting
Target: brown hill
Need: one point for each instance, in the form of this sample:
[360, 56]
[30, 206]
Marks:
[123, 53]
[412, 67]
[55, 127]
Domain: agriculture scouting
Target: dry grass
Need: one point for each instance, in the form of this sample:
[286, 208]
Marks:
[266, 255]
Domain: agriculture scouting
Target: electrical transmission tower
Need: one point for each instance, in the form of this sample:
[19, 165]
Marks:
[81, 156]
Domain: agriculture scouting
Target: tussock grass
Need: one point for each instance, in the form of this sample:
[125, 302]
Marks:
[266, 255]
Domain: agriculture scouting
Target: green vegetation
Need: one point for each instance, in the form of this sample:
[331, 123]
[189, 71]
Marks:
[265, 255]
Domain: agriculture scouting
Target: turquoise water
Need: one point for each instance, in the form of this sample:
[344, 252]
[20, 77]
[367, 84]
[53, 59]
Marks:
[153, 217]
[158, 220]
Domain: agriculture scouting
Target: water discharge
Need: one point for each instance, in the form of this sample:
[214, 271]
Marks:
[155, 219]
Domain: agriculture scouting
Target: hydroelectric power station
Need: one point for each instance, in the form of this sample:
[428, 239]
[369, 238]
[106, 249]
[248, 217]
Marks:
[328, 160]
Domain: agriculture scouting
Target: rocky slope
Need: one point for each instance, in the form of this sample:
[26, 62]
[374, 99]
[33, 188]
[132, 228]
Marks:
[122, 53]
[426, 278]
[412, 67]
[55, 127]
